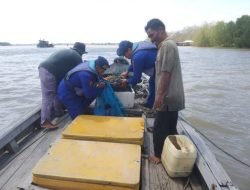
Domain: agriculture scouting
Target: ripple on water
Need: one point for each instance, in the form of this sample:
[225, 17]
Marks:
[216, 83]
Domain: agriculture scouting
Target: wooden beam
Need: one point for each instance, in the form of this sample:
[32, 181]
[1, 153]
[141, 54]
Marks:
[19, 127]
[18, 174]
[145, 175]
[211, 170]
[12, 147]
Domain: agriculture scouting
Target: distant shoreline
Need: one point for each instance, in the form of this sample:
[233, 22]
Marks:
[5, 44]
[66, 44]
[105, 44]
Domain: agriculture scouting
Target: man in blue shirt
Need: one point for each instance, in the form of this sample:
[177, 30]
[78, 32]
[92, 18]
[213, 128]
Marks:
[82, 85]
[143, 57]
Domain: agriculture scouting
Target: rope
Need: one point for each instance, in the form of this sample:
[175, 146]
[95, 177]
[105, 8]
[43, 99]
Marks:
[187, 183]
[213, 143]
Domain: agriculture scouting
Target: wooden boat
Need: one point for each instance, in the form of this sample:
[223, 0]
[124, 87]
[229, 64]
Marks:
[26, 143]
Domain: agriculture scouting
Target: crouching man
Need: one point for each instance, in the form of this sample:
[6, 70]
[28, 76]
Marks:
[82, 85]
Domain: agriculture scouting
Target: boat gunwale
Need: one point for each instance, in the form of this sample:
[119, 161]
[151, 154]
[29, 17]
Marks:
[33, 117]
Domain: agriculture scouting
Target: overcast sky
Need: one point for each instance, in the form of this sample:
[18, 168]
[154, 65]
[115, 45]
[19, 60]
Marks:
[27, 21]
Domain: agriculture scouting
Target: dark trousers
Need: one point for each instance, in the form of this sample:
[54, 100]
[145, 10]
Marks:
[151, 96]
[164, 125]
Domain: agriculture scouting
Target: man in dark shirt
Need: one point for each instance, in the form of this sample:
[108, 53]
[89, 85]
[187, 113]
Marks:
[51, 72]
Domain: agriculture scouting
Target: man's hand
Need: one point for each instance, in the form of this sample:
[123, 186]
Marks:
[124, 83]
[124, 74]
[108, 78]
[158, 101]
[162, 89]
[100, 84]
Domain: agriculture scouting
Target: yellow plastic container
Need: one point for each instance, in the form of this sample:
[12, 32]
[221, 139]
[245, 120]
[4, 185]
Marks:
[178, 155]
[85, 165]
[106, 128]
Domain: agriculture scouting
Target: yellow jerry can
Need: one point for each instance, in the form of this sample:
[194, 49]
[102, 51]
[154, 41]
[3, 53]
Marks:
[106, 128]
[85, 165]
[178, 155]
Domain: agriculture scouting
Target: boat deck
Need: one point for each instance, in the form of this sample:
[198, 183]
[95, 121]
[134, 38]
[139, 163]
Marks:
[17, 173]
[159, 179]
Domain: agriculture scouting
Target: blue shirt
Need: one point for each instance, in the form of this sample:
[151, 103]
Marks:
[141, 61]
[86, 82]
[81, 80]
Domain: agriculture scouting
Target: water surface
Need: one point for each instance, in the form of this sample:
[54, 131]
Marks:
[217, 90]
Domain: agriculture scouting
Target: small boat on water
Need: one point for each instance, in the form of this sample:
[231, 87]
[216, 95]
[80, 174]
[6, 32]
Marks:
[22, 148]
[185, 43]
[44, 44]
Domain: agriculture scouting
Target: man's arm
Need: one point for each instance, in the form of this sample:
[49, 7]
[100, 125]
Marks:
[138, 65]
[130, 68]
[162, 89]
[90, 88]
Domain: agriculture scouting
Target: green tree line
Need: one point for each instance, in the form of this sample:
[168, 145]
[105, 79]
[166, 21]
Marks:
[220, 34]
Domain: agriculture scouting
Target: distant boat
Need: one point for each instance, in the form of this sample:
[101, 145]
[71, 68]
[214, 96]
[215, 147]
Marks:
[185, 43]
[44, 44]
[5, 44]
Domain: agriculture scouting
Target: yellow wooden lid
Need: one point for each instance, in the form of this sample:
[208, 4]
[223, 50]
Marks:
[106, 128]
[114, 164]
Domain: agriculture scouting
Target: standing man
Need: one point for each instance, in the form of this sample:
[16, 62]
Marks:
[51, 72]
[143, 56]
[169, 98]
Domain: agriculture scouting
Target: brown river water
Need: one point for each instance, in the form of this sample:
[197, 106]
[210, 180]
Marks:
[217, 90]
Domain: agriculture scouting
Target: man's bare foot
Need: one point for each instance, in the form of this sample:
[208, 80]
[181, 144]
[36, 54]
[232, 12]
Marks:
[48, 125]
[154, 159]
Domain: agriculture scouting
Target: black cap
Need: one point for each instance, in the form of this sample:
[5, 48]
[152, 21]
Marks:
[80, 47]
[102, 62]
[123, 47]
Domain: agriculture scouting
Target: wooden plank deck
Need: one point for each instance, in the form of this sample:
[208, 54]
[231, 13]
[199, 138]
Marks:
[158, 177]
[213, 173]
[210, 170]
[17, 174]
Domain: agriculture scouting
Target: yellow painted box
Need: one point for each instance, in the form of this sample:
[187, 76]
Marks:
[106, 128]
[89, 165]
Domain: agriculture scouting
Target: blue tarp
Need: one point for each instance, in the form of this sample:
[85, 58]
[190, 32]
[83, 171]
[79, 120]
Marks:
[108, 104]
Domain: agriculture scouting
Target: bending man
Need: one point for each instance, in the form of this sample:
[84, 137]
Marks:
[82, 85]
[142, 55]
[51, 72]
